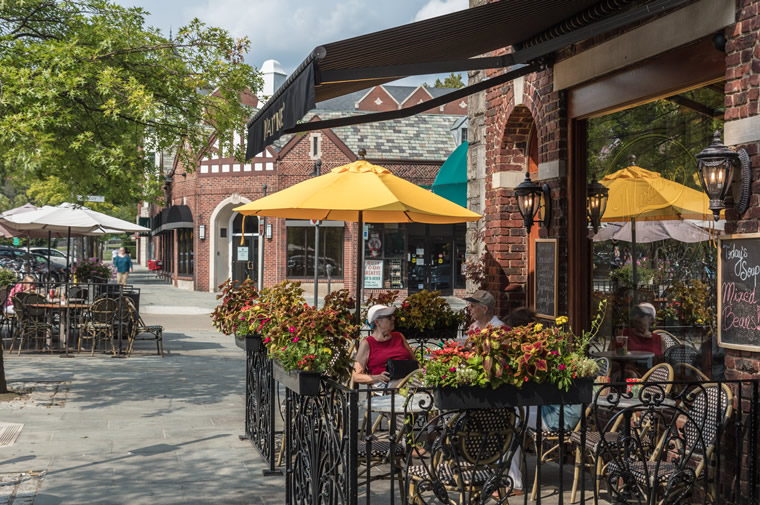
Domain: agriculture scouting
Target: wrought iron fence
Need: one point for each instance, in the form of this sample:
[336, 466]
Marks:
[261, 405]
[662, 442]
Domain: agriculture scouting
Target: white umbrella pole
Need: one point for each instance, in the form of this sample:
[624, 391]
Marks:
[50, 238]
[634, 258]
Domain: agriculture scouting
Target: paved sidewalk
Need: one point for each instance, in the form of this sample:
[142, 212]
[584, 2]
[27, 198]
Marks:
[142, 430]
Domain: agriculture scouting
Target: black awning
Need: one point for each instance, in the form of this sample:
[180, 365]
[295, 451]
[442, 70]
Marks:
[159, 220]
[534, 28]
[179, 216]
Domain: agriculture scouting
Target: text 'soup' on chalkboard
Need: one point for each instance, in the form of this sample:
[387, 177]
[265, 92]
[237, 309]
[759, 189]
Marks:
[545, 277]
[738, 294]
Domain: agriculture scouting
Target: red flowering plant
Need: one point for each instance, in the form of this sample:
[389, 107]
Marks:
[494, 356]
[315, 340]
[235, 297]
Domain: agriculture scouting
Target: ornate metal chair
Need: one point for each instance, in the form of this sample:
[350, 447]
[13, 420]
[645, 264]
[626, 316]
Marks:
[672, 472]
[682, 353]
[470, 458]
[598, 435]
[668, 338]
[138, 329]
[98, 324]
[33, 320]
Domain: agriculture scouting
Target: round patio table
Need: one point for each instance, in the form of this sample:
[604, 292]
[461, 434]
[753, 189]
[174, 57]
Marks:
[623, 359]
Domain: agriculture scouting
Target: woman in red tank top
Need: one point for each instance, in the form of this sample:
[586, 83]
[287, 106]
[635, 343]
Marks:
[375, 350]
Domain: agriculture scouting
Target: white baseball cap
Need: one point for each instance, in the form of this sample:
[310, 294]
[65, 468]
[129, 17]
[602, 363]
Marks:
[378, 311]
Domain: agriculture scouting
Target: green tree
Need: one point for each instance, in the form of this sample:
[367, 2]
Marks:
[87, 89]
[452, 81]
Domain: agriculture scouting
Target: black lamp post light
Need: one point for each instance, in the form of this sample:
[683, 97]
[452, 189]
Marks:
[596, 203]
[716, 165]
[529, 201]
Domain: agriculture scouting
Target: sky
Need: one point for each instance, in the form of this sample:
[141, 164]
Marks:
[288, 30]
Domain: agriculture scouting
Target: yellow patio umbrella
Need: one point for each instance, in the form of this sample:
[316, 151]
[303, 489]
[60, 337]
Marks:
[636, 193]
[359, 192]
[639, 194]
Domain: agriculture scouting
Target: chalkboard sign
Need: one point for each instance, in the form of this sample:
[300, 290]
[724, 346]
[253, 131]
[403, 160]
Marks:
[545, 277]
[738, 292]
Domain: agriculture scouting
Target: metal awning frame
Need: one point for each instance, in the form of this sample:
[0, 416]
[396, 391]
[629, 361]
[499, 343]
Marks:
[534, 57]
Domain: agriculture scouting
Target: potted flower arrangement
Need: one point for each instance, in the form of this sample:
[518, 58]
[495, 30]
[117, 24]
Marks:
[92, 269]
[307, 342]
[424, 315]
[503, 366]
[230, 316]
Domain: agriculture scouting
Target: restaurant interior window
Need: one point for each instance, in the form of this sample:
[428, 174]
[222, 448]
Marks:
[674, 259]
[387, 243]
[185, 251]
[300, 250]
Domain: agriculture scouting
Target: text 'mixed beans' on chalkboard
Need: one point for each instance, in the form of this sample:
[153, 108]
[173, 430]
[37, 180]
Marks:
[545, 277]
[738, 296]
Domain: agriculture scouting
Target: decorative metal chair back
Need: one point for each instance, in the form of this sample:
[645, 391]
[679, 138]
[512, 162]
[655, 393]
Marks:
[604, 367]
[102, 311]
[668, 338]
[481, 437]
[661, 372]
[682, 353]
[37, 314]
[708, 407]
[78, 293]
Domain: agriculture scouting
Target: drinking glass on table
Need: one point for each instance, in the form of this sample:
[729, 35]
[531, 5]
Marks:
[622, 344]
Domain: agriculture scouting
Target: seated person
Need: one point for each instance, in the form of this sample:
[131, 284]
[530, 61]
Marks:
[26, 285]
[375, 350]
[481, 305]
[640, 336]
[521, 316]
[550, 417]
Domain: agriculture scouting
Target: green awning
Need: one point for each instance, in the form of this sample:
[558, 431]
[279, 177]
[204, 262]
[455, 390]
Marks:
[451, 182]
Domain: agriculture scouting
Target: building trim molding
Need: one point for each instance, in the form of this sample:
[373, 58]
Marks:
[233, 199]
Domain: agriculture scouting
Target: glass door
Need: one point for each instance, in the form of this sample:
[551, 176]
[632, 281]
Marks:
[441, 278]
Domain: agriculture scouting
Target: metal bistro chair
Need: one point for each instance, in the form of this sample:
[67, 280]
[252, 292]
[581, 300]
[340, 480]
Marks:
[33, 322]
[471, 458]
[98, 324]
[662, 372]
[667, 338]
[675, 467]
[138, 329]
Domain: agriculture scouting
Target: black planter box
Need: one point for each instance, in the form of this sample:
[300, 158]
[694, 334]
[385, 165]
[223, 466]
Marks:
[303, 383]
[249, 343]
[474, 397]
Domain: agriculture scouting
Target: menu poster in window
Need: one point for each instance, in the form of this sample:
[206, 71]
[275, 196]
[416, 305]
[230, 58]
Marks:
[373, 274]
[738, 297]
[545, 277]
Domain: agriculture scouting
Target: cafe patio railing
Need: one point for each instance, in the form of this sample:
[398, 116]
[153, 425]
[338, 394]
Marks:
[695, 444]
[261, 405]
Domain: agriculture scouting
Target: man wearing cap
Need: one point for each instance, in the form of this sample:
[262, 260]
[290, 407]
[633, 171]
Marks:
[382, 345]
[481, 305]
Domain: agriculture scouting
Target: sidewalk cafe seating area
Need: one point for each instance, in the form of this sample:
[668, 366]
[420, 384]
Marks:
[68, 317]
[669, 435]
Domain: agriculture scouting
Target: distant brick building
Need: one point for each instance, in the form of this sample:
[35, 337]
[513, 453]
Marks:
[201, 241]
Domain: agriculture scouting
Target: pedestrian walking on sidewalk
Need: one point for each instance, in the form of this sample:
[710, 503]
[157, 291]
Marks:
[123, 264]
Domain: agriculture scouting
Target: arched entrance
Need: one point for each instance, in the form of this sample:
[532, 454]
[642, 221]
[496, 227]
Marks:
[244, 249]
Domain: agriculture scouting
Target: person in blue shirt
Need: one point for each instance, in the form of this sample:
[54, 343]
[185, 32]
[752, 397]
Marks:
[123, 264]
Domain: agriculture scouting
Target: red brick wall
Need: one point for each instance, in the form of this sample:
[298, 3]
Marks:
[368, 103]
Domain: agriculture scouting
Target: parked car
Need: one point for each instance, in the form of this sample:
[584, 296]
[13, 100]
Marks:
[15, 259]
[56, 256]
[58, 271]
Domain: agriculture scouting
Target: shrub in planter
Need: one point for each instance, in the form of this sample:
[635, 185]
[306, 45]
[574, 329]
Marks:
[315, 340]
[92, 268]
[235, 296]
[423, 314]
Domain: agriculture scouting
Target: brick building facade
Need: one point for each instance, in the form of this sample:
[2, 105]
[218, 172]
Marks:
[412, 148]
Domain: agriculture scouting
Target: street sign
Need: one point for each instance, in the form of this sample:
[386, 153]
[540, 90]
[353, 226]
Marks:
[91, 198]
[15, 241]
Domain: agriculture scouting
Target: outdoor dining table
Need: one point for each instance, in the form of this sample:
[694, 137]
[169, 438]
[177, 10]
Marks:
[623, 359]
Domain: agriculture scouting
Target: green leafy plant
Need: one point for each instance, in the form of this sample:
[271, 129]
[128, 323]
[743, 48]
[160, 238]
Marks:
[693, 303]
[236, 297]
[316, 340]
[7, 277]
[427, 311]
[92, 268]
[495, 356]
[379, 298]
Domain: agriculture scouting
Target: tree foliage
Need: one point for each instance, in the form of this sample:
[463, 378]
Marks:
[452, 81]
[87, 90]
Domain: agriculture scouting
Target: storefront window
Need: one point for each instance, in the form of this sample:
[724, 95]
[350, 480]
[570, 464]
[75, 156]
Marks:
[300, 251]
[674, 258]
[387, 243]
[185, 251]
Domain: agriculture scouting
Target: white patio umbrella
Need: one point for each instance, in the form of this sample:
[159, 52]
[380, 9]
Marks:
[687, 230]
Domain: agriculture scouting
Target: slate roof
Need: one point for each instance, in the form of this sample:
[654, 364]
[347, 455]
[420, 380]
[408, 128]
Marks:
[423, 137]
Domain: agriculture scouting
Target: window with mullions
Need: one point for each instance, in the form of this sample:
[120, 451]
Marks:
[300, 251]
[185, 260]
